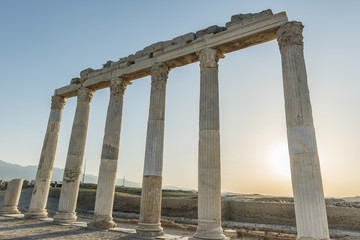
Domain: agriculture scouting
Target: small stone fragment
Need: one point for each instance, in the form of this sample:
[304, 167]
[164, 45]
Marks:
[85, 72]
[231, 233]
[107, 64]
[75, 80]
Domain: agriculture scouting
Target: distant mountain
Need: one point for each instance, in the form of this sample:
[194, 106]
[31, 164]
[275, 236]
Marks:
[10, 171]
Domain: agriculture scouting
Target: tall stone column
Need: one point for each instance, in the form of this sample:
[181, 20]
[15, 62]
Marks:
[310, 211]
[109, 157]
[71, 180]
[150, 209]
[43, 176]
[12, 196]
[209, 179]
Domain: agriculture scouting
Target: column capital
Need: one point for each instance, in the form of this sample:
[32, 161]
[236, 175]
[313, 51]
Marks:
[58, 102]
[209, 57]
[159, 74]
[85, 94]
[290, 34]
[118, 86]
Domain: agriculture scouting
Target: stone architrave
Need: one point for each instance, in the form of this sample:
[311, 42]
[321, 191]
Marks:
[150, 207]
[43, 176]
[71, 180]
[109, 157]
[310, 210]
[12, 196]
[209, 179]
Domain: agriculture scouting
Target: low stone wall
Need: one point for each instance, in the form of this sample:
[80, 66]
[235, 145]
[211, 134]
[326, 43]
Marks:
[251, 212]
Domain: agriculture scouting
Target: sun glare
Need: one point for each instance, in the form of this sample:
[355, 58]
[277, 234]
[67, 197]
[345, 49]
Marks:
[280, 162]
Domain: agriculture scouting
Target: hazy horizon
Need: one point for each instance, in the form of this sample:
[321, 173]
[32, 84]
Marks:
[45, 44]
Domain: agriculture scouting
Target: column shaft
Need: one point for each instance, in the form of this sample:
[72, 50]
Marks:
[209, 178]
[43, 176]
[109, 157]
[12, 196]
[150, 209]
[72, 173]
[310, 210]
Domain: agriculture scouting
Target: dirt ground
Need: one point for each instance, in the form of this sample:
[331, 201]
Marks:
[16, 227]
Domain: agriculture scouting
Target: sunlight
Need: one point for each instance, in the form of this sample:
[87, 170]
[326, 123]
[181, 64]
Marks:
[280, 162]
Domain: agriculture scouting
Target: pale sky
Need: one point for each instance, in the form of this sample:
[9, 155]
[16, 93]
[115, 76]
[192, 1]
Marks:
[43, 44]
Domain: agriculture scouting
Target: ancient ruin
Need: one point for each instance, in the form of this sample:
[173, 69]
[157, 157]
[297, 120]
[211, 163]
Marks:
[207, 46]
[12, 196]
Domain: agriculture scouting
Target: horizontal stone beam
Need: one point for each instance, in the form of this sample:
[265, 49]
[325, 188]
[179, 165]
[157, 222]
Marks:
[237, 36]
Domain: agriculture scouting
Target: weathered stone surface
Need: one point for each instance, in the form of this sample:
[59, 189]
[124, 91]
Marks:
[159, 46]
[210, 30]
[109, 157]
[12, 196]
[84, 73]
[108, 64]
[122, 60]
[242, 19]
[40, 193]
[75, 80]
[209, 173]
[186, 38]
[150, 210]
[310, 210]
[73, 165]
[130, 59]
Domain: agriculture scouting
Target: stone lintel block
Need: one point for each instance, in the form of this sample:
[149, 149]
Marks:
[212, 29]
[242, 19]
[85, 72]
[141, 58]
[159, 46]
[186, 38]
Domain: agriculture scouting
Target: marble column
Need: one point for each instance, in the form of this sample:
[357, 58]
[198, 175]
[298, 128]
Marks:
[310, 210]
[209, 179]
[150, 209]
[12, 196]
[43, 176]
[71, 180]
[109, 157]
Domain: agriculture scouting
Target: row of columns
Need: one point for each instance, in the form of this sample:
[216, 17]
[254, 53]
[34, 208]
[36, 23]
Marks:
[306, 178]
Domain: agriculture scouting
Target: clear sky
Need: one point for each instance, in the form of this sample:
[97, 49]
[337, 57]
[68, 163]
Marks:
[43, 44]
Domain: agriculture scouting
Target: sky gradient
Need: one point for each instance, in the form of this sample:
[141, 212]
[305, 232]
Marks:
[44, 44]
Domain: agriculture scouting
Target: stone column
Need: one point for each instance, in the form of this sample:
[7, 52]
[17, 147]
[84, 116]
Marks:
[12, 196]
[150, 209]
[310, 211]
[72, 172]
[209, 179]
[43, 176]
[109, 157]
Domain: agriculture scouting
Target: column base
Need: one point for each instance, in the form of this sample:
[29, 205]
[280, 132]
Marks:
[36, 213]
[103, 223]
[149, 230]
[65, 217]
[9, 210]
[215, 233]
